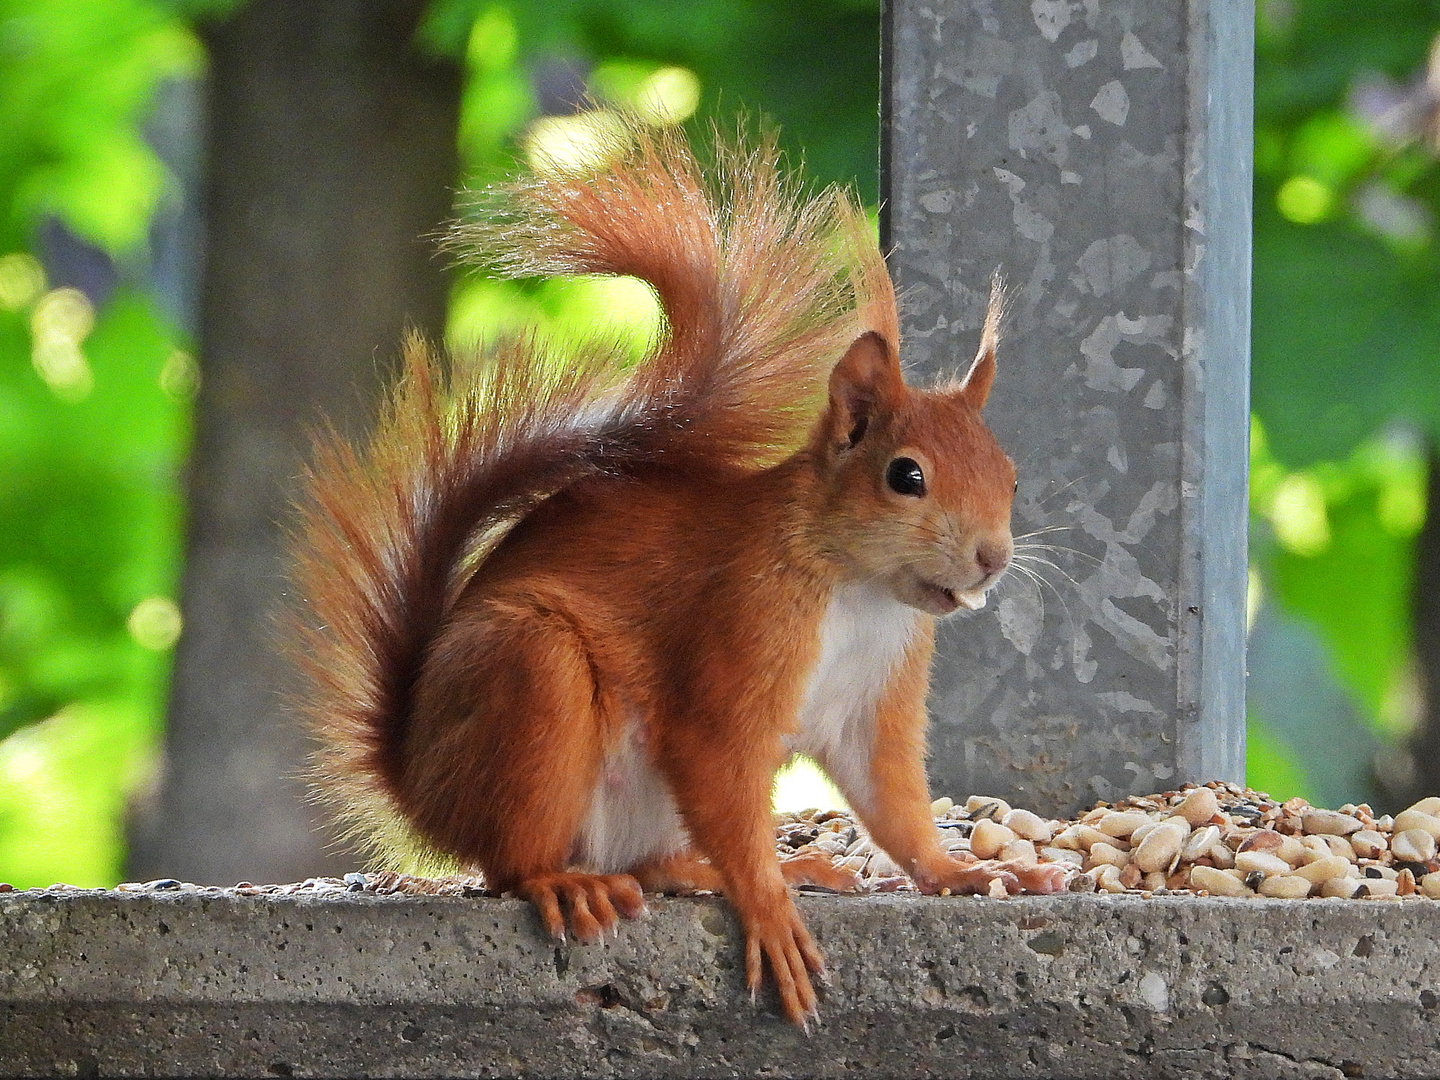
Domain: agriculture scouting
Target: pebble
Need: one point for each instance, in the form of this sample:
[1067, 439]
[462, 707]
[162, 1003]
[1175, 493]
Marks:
[1218, 882]
[1291, 850]
[1430, 885]
[1107, 855]
[1320, 870]
[989, 837]
[1028, 826]
[1069, 839]
[883, 866]
[1378, 889]
[1200, 843]
[1413, 845]
[1285, 887]
[1107, 879]
[1340, 888]
[1330, 844]
[852, 862]
[1415, 818]
[1198, 807]
[1251, 862]
[1330, 823]
[983, 806]
[1122, 825]
[1267, 840]
[1368, 843]
[1161, 847]
[1020, 851]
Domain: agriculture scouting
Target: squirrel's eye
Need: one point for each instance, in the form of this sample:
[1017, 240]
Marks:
[904, 477]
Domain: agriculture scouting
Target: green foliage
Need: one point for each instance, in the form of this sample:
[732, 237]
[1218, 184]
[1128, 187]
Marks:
[1326, 523]
[1270, 765]
[1346, 339]
[88, 563]
[74, 81]
[90, 438]
[813, 66]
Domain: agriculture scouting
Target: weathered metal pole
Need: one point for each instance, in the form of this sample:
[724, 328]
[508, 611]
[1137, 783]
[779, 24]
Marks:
[1099, 154]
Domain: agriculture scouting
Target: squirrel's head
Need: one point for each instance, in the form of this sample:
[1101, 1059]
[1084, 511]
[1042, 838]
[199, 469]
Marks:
[916, 492]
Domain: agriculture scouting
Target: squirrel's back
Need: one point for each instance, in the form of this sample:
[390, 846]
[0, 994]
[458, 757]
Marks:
[761, 287]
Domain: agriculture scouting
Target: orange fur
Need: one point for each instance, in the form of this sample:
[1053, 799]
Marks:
[564, 625]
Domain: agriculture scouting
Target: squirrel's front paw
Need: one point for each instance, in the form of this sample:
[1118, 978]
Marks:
[956, 878]
[964, 877]
[1041, 877]
[779, 939]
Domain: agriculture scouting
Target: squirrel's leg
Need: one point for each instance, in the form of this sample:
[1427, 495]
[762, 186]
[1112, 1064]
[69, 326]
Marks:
[885, 784]
[682, 872]
[508, 783]
[723, 784]
[817, 868]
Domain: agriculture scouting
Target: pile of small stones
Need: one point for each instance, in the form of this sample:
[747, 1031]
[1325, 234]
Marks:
[1215, 840]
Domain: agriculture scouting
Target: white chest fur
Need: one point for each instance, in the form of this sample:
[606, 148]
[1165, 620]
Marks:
[632, 816]
[863, 635]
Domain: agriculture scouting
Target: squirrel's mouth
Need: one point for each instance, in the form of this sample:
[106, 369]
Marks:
[943, 601]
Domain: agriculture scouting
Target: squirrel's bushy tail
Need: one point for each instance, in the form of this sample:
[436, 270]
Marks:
[761, 287]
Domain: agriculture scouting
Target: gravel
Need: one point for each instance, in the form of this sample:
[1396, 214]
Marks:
[1218, 839]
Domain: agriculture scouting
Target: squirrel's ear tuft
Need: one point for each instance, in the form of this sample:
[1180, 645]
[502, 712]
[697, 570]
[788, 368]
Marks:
[975, 387]
[866, 380]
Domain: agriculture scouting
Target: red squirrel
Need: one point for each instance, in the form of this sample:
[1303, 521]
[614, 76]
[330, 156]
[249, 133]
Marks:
[563, 622]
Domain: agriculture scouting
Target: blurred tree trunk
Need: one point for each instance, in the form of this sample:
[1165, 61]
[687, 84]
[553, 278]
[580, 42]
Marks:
[331, 160]
[1425, 748]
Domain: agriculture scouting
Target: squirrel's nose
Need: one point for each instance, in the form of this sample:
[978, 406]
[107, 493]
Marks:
[992, 557]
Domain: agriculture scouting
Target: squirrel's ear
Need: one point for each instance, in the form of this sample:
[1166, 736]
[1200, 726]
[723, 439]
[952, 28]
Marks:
[975, 387]
[866, 380]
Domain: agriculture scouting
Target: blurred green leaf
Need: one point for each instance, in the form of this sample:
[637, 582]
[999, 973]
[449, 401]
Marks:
[1270, 765]
[74, 81]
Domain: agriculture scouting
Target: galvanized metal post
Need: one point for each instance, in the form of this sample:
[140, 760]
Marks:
[1099, 154]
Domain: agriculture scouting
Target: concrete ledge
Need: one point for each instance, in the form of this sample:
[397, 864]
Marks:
[185, 984]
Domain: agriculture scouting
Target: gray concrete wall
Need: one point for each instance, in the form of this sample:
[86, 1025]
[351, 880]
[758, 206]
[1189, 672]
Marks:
[1099, 154]
[190, 983]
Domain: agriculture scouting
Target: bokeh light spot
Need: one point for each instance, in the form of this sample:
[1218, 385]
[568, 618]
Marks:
[575, 145]
[1299, 516]
[669, 96]
[60, 322]
[155, 623]
[22, 279]
[180, 376]
[1304, 200]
